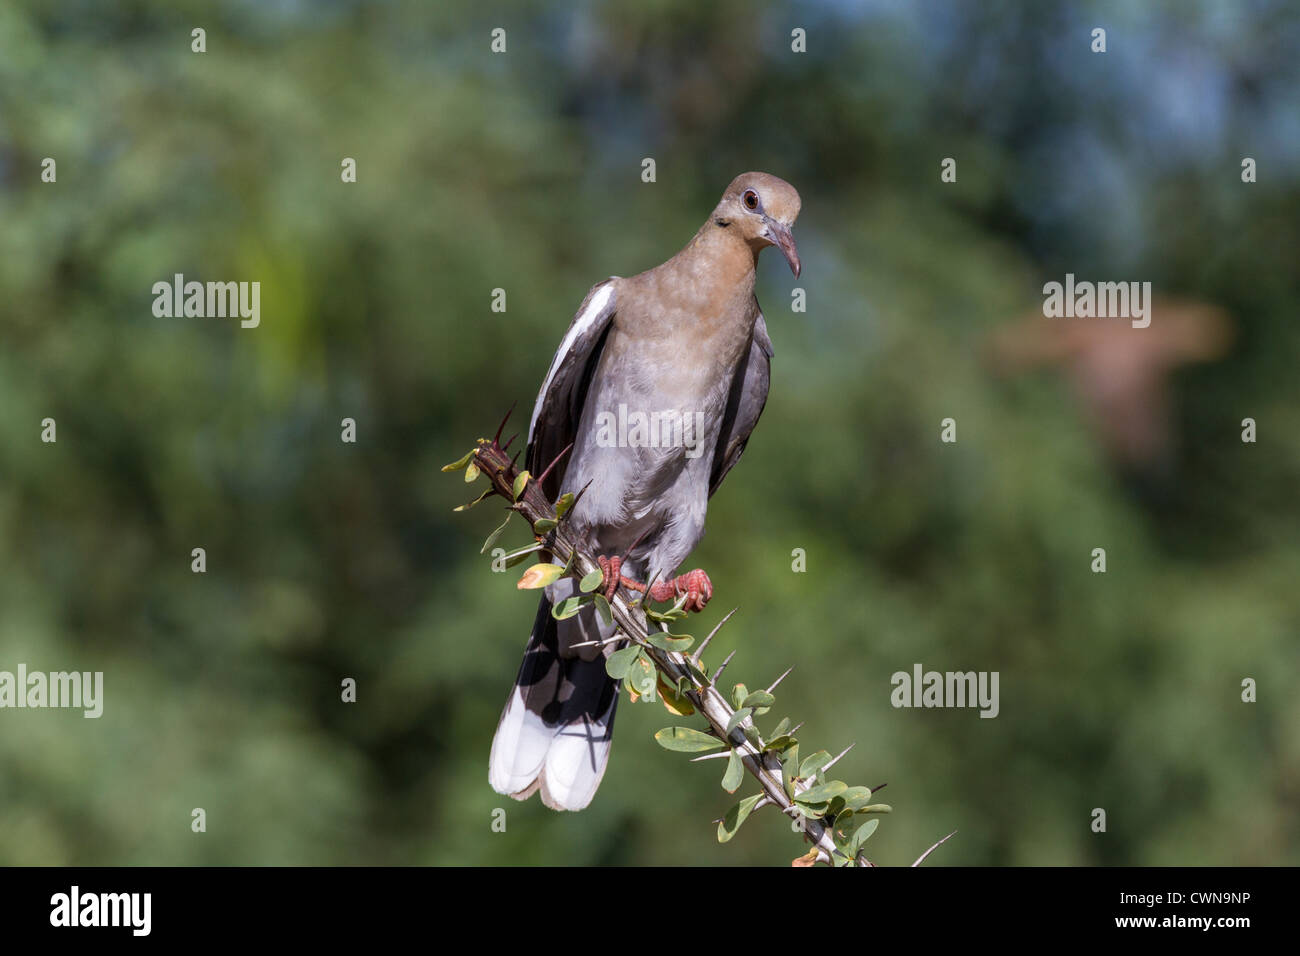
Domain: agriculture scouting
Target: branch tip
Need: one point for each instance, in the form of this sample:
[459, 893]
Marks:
[836, 760]
[781, 678]
[920, 858]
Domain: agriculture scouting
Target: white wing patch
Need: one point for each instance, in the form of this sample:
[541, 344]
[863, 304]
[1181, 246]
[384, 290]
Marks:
[581, 325]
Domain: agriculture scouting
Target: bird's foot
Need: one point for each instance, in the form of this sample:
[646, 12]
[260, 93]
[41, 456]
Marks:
[694, 584]
[610, 568]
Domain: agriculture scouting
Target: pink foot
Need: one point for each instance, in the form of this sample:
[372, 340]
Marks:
[694, 584]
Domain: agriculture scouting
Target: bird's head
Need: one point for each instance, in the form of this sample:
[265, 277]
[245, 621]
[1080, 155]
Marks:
[762, 208]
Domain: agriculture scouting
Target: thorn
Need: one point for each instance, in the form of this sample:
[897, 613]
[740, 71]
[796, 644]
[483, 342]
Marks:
[721, 753]
[933, 848]
[695, 658]
[795, 729]
[542, 477]
[601, 643]
[496, 438]
[514, 462]
[632, 547]
[576, 498]
[645, 591]
[766, 801]
[836, 760]
[721, 667]
[882, 787]
[781, 678]
[509, 442]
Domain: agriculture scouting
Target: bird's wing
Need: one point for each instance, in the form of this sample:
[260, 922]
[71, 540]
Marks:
[744, 405]
[564, 391]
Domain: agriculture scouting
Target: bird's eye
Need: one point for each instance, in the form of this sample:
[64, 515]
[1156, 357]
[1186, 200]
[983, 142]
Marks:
[750, 199]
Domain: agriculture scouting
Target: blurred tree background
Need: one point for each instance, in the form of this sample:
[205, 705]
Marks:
[522, 171]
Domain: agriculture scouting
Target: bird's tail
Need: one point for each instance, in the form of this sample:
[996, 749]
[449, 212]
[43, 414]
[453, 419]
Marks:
[558, 724]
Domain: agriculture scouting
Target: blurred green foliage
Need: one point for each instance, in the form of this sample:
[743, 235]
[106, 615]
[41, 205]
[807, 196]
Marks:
[329, 560]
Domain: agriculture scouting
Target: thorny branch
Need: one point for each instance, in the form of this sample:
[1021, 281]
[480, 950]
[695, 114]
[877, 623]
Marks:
[825, 810]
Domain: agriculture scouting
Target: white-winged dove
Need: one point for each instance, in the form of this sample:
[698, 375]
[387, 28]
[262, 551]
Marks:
[681, 349]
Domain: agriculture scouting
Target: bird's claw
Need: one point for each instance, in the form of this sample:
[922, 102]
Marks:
[610, 568]
[694, 584]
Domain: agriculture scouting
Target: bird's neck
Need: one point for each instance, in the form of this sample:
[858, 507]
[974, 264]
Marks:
[721, 262]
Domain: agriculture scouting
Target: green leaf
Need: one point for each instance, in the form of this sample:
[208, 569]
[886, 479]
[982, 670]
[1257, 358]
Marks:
[591, 581]
[751, 734]
[492, 538]
[460, 462]
[735, 774]
[670, 642]
[780, 743]
[620, 662]
[666, 617]
[861, 835]
[758, 698]
[780, 729]
[835, 806]
[570, 606]
[855, 798]
[735, 817]
[696, 674]
[822, 793]
[674, 700]
[539, 576]
[738, 695]
[471, 472]
[736, 719]
[642, 677]
[543, 525]
[564, 504]
[814, 763]
[521, 480]
[877, 808]
[686, 740]
[814, 811]
[471, 504]
[790, 767]
[603, 608]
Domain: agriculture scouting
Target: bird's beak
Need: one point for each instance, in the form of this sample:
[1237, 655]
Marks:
[779, 235]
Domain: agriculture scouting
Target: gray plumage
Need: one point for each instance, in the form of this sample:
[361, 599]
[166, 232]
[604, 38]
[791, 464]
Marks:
[684, 344]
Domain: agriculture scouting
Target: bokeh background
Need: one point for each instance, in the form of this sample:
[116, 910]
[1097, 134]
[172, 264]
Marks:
[522, 171]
